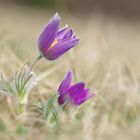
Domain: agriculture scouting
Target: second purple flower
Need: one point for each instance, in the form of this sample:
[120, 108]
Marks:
[54, 42]
[75, 94]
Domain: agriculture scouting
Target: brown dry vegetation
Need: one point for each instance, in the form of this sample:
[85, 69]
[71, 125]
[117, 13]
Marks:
[107, 59]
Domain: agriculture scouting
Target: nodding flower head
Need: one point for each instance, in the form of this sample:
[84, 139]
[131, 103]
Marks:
[75, 94]
[54, 42]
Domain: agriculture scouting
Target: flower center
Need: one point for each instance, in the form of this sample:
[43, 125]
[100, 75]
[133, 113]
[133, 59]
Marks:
[52, 45]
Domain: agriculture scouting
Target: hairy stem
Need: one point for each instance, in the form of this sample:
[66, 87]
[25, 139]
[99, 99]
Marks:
[21, 108]
[35, 61]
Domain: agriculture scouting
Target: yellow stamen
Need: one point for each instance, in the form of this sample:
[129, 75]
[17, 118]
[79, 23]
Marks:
[52, 45]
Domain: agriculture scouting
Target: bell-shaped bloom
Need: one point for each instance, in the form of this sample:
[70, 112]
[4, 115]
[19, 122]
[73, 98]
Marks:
[54, 42]
[75, 94]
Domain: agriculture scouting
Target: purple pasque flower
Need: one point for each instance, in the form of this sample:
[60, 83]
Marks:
[76, 94]
[54, 42]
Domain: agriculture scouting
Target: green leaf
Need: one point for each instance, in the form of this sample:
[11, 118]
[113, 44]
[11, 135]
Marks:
[50, 105]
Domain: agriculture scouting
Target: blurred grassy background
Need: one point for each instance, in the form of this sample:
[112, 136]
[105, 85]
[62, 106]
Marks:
[109, 51]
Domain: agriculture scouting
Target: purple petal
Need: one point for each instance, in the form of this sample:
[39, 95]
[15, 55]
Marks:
[81, 98]
[75, 92]
[77, 88]
[91, 95]
[61, 32]
[61, 99]
[78, 94]
[84, 94]
[64, 87]
[49, 34]
[70, 94]
[60, 48]
[65, 83]
[69, 34]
